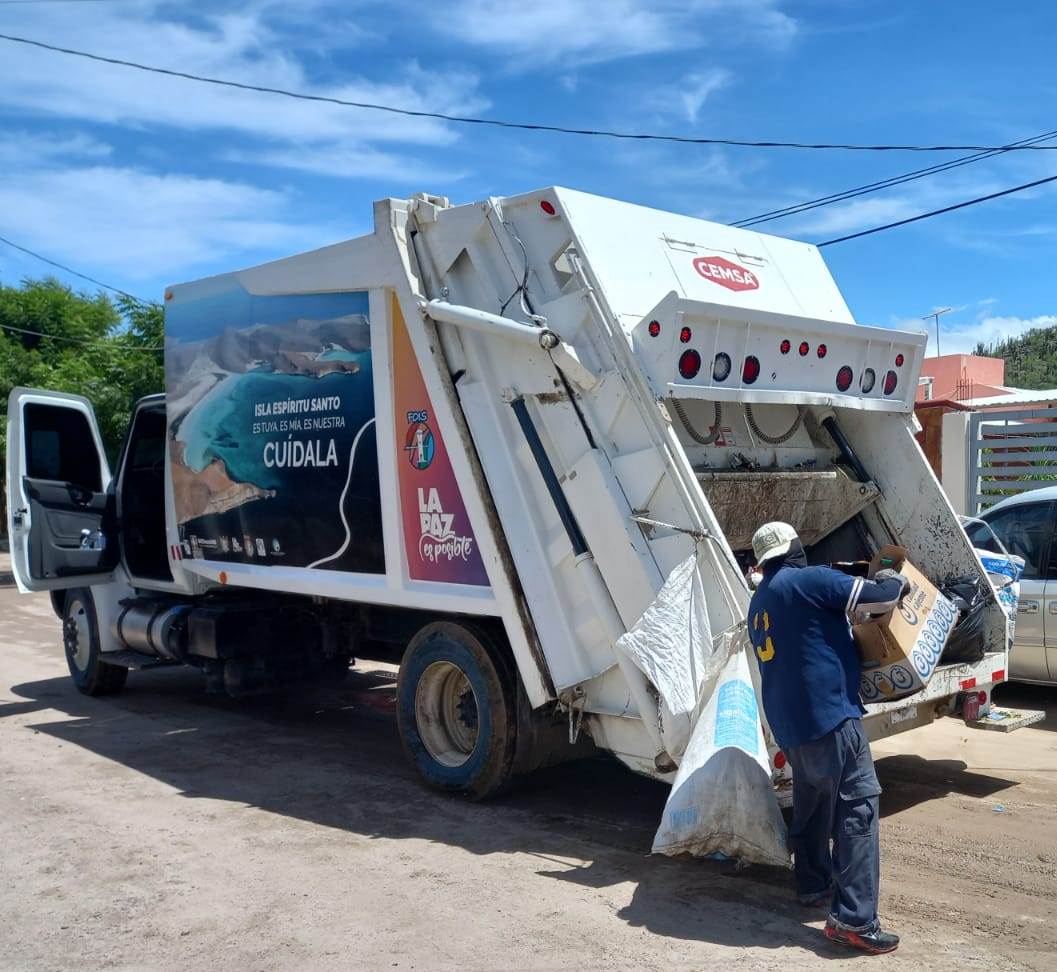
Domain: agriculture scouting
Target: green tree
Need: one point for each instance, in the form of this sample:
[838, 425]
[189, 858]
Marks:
[1031, 359]
[52, 337]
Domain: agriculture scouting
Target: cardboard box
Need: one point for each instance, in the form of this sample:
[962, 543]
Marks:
[901, 650]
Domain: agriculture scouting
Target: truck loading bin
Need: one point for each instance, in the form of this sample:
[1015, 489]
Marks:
[477, 441]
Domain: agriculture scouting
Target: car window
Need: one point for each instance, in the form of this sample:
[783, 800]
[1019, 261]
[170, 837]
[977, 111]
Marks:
[1024, 530]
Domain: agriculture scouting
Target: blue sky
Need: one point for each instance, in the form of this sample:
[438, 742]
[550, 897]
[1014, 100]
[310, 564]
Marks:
[142, 180]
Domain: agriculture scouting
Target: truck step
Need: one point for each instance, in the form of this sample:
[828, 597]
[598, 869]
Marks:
[136, 660]
[1006, 720]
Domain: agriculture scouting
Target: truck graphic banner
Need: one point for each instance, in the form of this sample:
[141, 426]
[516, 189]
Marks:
[271, 427]
[438, 539]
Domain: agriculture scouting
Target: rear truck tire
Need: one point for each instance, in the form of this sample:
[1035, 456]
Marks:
[457, 709]
[80, 637]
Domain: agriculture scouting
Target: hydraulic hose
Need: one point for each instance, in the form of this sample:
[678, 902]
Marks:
[773, 439]
[677, 407]
[846, 451]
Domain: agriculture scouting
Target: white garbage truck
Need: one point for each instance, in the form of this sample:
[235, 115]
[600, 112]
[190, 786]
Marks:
[476, 442]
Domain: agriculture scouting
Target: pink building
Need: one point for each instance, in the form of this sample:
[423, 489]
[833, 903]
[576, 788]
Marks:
[959, 377]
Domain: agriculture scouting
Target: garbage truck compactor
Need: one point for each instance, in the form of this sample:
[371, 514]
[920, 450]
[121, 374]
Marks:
[477, 442]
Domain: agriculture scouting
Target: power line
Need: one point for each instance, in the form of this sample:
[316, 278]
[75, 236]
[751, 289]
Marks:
[76, 273]
[81, 341]
[499, 123]
[886, 183]
[939, 212]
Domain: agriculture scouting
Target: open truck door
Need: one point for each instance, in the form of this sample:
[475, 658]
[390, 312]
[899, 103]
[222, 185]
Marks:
[60, 511]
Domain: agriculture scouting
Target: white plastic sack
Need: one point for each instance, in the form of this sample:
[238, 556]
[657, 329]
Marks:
[722, 800]
[671, 643]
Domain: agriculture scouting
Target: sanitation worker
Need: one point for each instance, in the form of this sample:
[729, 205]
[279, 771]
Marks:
[799, 622]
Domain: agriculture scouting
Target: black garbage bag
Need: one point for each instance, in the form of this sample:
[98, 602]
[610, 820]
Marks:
[966, 643]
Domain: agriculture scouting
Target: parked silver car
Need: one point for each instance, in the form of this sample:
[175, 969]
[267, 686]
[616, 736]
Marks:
[1026, 525]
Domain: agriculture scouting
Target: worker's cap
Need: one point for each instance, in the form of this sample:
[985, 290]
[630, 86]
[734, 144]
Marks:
[773, 540]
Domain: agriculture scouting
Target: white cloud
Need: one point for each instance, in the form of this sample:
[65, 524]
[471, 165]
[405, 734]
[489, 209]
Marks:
[687, 96]
[134, 225]
[237, 46]
[585, 31]
[25, 149]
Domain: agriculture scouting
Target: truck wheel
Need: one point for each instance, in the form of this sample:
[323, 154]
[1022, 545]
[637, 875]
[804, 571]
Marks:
[80, 636]
[456, 709]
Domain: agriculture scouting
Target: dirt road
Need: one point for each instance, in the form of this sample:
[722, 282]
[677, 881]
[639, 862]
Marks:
[165, 829]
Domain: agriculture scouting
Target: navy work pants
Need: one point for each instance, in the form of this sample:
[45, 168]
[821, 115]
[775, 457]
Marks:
[835, 793]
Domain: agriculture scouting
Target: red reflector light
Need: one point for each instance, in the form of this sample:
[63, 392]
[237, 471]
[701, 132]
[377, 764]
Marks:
[689, 364]
[891, 380]
[785, 346]
[548, 207]
[899, 360]
[969, 683]
[804, 348]
[821, 351]
[844, 378]
[982, 696]
[685, 334]
[779, 760]
[750, 371]
[654, 328]
[999, 676]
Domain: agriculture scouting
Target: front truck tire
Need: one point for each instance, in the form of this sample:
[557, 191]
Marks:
[80, 637]
[457, 709]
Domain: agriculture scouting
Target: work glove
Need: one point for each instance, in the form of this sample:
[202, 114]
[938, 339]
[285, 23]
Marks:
[889, 574]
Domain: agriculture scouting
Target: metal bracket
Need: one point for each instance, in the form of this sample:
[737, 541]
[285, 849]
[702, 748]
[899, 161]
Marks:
[574, 700]
[661, 525]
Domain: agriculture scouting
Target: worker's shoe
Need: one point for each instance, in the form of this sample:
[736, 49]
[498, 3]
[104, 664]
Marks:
[874, 942]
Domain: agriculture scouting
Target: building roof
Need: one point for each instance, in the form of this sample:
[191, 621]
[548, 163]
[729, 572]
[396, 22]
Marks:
[1016, 396]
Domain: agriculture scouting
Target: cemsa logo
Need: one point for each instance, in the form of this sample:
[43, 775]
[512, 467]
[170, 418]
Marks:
[438, 540]
[725, 273]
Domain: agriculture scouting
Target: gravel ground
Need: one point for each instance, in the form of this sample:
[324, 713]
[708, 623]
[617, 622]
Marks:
[164, 829]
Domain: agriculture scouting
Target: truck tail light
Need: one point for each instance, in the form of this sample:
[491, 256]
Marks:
[721, 367]
[804, 348]
[844, 378]
[689, 364]
[891, 380]
[779, 760]
[685, 334]
[868, 380]
[821, 352]
[785, 346]
[548, 207]
[899, 360]
[750, 371]
[654, 328]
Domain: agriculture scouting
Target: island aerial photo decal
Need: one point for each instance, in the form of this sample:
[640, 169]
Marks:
[271, 427]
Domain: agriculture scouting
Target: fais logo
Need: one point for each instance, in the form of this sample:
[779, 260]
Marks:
[419, 443]
[726, 274]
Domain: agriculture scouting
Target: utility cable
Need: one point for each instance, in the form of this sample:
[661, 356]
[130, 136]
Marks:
[500, 123]
[82, 341]
[76, 273]
[887, 183]
[940, 212]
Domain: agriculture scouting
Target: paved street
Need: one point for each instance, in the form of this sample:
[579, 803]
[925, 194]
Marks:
[166, 829]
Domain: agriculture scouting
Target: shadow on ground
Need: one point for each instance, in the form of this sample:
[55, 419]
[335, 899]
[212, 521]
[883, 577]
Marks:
[332, 757]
